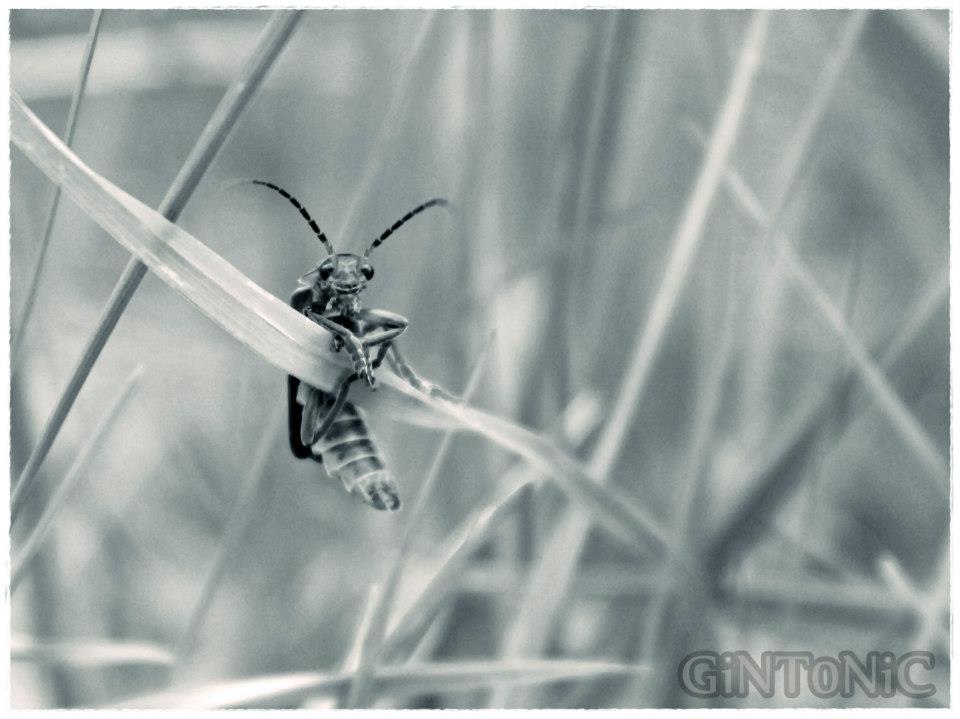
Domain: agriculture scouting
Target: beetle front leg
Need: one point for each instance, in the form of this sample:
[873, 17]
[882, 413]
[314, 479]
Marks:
[385, 327]
[361, 362]
[404, 370]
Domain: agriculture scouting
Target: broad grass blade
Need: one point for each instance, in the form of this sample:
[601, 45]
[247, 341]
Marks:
[214, 134]
[263, 322]
[278, 333]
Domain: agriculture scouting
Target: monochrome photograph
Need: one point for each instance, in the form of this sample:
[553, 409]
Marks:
[479, 359]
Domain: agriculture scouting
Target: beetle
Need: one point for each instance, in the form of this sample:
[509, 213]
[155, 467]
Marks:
[324, 426]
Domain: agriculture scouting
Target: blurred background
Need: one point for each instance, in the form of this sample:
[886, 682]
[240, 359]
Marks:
[792, 429]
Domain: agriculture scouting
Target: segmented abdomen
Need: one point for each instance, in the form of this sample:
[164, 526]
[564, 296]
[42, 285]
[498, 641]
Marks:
[350, 453]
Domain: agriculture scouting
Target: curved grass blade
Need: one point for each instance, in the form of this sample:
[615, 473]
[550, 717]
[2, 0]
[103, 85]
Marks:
[76, 471]
[88, 653]
[609, 507]
[92, 35]
[283, 337]
[231, 106]
[408, 680]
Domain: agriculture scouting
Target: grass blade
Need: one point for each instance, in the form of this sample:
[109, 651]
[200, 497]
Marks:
[235, 100]
[274, 330]
[885, 395]
[76, 471]
[780, 473]
[412, 71]
[686, 239]
[411, 679]
[662, 622]
[929, 34]
[759, 356]
[351, 659]
[265, 323]
[88, 653]
[798, 151]
[354, 655]
[414, 622]
[578, 421]
[553, 573]
[608, 507]
[92, 35]
[583, 195]
[360, 689]
[242, 513]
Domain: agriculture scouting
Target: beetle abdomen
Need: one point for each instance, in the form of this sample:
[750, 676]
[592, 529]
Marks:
[350, 453]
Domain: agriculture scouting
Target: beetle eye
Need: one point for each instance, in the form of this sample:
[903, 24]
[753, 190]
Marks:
[367, 271]
[326, 271]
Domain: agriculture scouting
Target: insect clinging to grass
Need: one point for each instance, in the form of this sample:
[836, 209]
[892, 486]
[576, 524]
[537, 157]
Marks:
[324, 426]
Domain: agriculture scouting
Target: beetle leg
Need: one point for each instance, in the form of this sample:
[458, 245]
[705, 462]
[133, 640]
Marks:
[381, 336]
[295, 419]
[404, 370]
[311, 430]
[381, 327]
[381, 354]
[361, 363]
[383, 341]
[385, 327]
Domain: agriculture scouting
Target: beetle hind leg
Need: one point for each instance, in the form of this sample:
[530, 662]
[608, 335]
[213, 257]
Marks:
[320, 411]
[295, 419]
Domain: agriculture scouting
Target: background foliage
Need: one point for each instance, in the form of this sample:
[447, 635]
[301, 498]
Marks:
[568, 142]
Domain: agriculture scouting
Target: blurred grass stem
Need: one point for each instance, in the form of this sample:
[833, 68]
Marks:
[360, 688]
[611, 509]
[413, 69]
[693, 472]
[76, 471]
[406, 680]
[780, 471]
[886, 396]
[93, 34]
[234, 101]
[86, 653]
[578, 420]
[550, 579]
[930, 35]
[584, 197]
[241, 515]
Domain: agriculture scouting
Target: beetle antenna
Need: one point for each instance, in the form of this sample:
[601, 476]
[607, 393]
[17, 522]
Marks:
[437, 201]
[296, 203]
